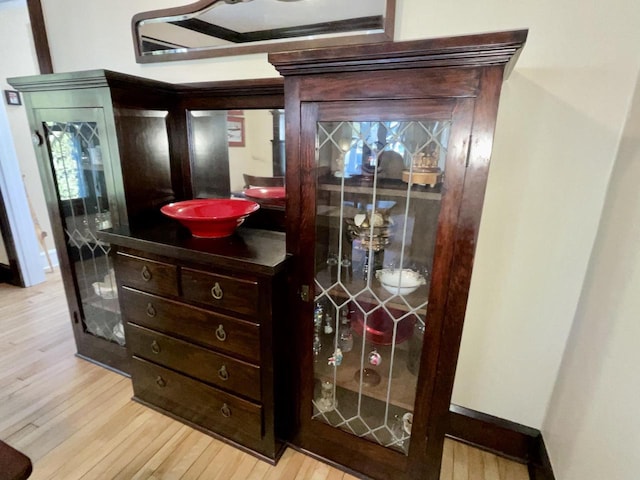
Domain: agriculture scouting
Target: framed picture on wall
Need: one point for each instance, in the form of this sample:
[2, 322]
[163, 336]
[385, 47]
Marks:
[235, 131]
[12, 97]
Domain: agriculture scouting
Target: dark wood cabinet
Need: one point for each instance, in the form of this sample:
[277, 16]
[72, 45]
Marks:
[112, 149]
[388, 148]
[204, 321]
[103, 156]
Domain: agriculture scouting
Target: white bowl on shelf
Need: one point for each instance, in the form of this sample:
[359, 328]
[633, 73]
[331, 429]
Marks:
[400, 281]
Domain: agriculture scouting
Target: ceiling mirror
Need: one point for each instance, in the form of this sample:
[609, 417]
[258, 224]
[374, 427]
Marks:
[211, 28]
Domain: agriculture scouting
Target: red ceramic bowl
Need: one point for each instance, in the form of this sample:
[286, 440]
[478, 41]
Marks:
[211, 217]
[268, 193]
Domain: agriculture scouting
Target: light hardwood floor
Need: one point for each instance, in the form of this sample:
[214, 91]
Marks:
[75, 420]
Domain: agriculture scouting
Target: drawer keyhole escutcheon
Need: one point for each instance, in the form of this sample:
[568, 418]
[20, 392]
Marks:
[223, 374]
[161, 382]
[155, 348]
[151, 311]
[216, 291]
[146, 274]
[225, 411]
[220, 333]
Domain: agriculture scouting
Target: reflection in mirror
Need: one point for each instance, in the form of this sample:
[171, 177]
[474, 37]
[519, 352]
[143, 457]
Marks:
[210, 28]
[226, 145]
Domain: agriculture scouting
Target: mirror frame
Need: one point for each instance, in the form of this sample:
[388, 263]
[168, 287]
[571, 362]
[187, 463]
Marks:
[385, 36]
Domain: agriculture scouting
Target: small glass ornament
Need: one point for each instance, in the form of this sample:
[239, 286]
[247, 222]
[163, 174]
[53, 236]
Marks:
[317, 345]
[335, 360]
[326, 402]
[346, 339]
[328, 326]
[374, 358]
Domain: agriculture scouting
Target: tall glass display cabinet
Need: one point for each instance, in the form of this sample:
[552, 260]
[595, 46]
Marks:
[390, 145]
[103, 159]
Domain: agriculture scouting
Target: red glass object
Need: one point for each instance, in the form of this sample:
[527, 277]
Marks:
[270, 193]
[380, 326]
[211, 217]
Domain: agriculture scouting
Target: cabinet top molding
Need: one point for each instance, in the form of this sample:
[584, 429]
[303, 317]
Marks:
[107, 78]
[498, 48]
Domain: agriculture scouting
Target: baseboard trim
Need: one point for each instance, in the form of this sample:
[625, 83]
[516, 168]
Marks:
[6, 275]
[540, 467]
[502, 437]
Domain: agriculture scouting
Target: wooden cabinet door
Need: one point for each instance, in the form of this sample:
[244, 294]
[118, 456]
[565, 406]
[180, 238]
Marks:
[80, 186]
[381, 183]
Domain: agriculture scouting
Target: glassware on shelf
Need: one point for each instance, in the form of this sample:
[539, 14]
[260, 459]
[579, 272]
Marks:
[368, 362]
[415, 348]
[345, 338]
[400, 281]
[326, 402]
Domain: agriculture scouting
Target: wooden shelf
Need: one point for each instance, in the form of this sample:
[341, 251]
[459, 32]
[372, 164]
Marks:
[403, 382]
[107, 304]
[384, 187]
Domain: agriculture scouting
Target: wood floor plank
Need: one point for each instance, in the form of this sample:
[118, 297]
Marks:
[446, 470]
[161, 454]
[259, 471]
[145, 451]
[129, 449]
[183, 456]
[460, 462]
[201, 463]
[77, 420]
[223, 464]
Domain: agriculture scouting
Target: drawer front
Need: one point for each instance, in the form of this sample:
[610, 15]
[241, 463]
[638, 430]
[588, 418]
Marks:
[147, 275]
[236, 295]
[196, 402]
[219, 370]
[225, 334]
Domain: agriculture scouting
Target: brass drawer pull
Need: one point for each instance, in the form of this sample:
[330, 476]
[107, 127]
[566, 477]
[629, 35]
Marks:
[155, 348]
[216, 291]
[161, 382]
[151, 311]
[146, 274]
[225, 411]
[223, 374]
[220, 333]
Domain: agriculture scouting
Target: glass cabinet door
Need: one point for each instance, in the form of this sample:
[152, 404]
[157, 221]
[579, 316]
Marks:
[378, 196]
[78, 156]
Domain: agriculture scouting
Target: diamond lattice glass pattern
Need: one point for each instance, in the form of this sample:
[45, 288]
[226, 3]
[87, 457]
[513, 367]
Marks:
[378, 199]
[80, 181]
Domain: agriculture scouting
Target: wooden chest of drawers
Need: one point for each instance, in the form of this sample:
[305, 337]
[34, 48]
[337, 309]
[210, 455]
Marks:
[201, 327]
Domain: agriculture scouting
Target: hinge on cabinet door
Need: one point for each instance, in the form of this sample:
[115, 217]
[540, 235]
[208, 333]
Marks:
[75, 317]
[304, 293]
[466, 162]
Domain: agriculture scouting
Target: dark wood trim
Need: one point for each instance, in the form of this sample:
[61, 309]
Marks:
[540, 465]
[9, 273]
[493, 434]
[502, 437]
[5, 273]
[39, 32]
[500, 48]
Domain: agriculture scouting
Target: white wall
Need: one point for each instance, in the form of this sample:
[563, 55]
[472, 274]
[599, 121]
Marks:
[559, 124]
[592, 428]
[256, 157]
[18, 58]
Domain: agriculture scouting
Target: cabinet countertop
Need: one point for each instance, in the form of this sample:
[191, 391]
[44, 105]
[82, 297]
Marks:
[254, 251]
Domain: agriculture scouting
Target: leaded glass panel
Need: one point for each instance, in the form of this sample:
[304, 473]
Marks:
[377, 205]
